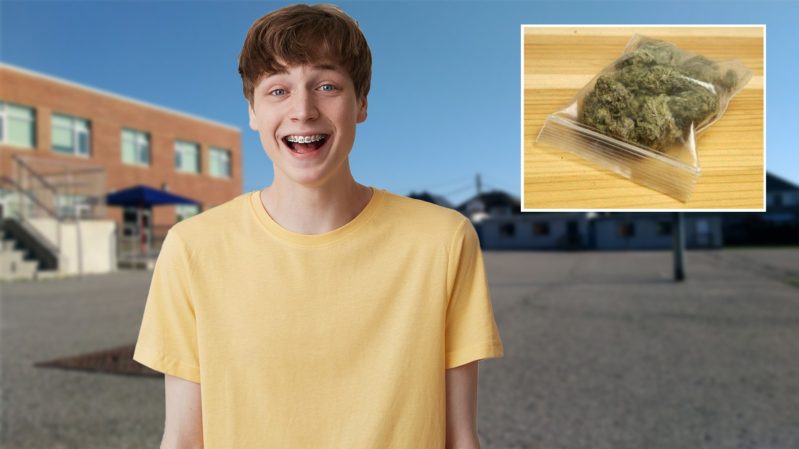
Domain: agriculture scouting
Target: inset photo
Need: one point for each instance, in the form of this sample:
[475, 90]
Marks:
[650, 118]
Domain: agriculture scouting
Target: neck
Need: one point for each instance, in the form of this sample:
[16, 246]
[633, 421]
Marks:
[314, 209]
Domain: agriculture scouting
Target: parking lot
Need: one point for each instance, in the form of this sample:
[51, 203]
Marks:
[603, 350]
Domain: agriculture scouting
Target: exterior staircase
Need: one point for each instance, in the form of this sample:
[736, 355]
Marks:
[51, 220]
[13, 262]
[24, 253]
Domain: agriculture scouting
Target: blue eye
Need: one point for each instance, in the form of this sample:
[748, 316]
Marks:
[327, 88]
[278, 92]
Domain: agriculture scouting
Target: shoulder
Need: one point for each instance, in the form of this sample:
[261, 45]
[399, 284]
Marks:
[424, 218]
[211, 224]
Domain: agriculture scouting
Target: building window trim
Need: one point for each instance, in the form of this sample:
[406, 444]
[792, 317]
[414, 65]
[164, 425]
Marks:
[8, 114]
[219, 163]
[79, 130]
[140, 141]
[182, 147]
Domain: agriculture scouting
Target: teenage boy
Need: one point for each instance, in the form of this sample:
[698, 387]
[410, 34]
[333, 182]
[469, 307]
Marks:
[318, 312]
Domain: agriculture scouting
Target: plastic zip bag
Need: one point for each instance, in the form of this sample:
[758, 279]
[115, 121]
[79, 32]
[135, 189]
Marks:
[640, 116]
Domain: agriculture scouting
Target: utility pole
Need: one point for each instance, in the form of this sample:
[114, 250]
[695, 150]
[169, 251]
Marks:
[479, 184]
[679, 246]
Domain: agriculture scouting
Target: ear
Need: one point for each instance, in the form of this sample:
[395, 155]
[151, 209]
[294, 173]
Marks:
[362, 107]
[253, 122]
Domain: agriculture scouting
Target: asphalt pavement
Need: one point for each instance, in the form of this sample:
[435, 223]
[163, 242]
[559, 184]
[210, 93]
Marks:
[603, 350]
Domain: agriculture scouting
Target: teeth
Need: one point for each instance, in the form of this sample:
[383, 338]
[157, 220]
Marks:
[305, 139]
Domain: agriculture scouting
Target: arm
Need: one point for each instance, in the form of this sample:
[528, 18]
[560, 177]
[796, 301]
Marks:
[184, 427]
[462, 407]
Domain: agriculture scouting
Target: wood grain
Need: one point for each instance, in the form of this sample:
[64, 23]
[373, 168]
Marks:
[559, 61]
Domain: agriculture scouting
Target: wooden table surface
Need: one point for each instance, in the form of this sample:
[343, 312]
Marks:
[559, 61]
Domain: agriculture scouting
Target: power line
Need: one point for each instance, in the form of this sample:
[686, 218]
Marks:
[459, 190]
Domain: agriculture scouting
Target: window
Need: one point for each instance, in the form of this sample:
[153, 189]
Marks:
[507, 230]
[664, 228]
[135, 147]
[541, 228]
[17, 125]
[73, 206]
[187, 157]
[626, 229]
[219, 163]
[184, 211]
[71, 135]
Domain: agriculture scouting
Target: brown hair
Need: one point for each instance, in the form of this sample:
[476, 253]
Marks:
[305, 34]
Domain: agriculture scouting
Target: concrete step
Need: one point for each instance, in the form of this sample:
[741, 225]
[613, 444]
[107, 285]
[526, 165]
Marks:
[14, 267]
[7, 244]
[11, 255]
[48, 274]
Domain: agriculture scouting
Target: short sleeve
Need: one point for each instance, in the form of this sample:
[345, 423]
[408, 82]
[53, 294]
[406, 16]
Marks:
[168, 335]
[471, 332]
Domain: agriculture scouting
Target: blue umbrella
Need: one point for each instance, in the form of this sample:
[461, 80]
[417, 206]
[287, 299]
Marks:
[144, 196]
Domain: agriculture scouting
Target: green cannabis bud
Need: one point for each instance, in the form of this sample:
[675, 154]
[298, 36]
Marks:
[652, 96]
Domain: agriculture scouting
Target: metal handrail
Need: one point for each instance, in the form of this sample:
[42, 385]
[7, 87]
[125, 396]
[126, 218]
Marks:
[39, 177]
[36, 188]
[18, 188]
[63, 185]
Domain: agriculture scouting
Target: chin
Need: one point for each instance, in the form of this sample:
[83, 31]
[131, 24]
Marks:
[317, 175]
[308, 178]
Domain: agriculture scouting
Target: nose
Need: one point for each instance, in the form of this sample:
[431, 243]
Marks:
[303, 106]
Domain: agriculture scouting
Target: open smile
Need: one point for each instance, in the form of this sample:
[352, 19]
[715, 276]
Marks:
[305, 144]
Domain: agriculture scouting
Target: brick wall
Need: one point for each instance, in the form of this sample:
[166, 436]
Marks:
[108, 114]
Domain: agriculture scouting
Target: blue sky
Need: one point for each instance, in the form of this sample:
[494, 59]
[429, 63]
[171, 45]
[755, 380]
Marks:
[444, 103]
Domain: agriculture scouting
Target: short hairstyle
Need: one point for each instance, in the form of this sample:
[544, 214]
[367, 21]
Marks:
[305, 34]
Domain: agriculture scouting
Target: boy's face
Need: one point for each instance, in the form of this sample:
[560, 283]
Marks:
[306, 117]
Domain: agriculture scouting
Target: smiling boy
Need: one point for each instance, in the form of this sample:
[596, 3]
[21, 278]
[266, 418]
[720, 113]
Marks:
[317, 312]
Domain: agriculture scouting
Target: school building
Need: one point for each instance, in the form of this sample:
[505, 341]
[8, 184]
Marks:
[65, 146]
[502, 226]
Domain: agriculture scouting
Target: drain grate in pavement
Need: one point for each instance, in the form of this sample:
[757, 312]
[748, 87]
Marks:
[112, 361]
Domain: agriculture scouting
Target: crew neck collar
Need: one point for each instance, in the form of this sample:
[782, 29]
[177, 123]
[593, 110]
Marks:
[315, 239]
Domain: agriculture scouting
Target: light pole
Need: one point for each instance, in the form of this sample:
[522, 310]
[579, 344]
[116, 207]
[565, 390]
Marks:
[679, 246]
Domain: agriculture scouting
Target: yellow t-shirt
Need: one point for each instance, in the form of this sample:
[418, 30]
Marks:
[335, 340]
